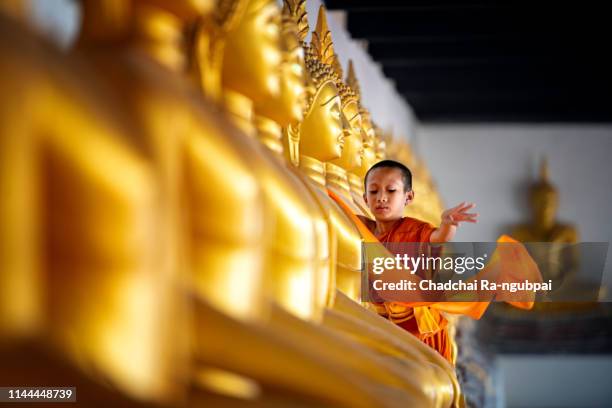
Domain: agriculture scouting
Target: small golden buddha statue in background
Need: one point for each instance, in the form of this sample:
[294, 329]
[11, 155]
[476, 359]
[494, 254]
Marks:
[543, 204]
[556, 262]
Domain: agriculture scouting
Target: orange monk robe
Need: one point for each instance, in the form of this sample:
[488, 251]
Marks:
[423, 319]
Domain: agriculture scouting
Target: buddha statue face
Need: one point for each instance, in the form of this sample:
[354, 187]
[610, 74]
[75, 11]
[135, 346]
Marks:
[368, 157]
[322, 130]
[352, 152]
[543, 201]
[288, 106]
[252, 52]
[381, 145]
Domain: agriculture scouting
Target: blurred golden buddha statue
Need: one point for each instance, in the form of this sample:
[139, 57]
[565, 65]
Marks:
[556, 262]
[137, 48]
[86, 294]
[250, 68]
[543, 203]
[281, 114]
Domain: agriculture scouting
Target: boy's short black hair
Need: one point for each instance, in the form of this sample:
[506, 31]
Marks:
[392, 164]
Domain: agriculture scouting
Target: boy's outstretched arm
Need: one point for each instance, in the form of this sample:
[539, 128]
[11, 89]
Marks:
[450, 221]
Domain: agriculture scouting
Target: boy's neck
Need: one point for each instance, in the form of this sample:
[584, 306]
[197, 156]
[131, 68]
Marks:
[382, 227]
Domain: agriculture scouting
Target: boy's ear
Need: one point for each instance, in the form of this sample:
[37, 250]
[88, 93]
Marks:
[409, 197]
[365, 198]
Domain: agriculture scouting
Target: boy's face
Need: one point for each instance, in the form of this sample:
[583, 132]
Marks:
[385, 194]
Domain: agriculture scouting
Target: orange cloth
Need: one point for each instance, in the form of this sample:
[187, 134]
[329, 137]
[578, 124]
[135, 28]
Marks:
[408, 229]
[424, 319]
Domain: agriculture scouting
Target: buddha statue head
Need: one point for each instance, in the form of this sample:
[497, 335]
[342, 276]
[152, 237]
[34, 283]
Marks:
[368, 157]
[323, 127]
[287, 108]
[251, 47]
[368, 146]
[353, 142]
[543, 200]
[381, 143]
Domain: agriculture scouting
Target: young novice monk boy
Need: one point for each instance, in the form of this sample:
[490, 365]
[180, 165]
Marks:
[388, 190]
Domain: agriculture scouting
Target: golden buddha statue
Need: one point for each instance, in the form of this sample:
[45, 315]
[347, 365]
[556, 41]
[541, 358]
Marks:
[543, 203]
[292, 261]
[85, 299]
[556, 262]
[357, 173]
[321, 139]
[337, 169]
[282, 115]
[369, 144]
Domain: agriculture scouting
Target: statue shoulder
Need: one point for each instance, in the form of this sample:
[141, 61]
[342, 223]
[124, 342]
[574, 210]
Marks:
[371, 224]
[565, 233]
[522, 232]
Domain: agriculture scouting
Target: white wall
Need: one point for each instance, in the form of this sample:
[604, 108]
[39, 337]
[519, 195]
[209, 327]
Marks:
[555, 381]
[492, 165]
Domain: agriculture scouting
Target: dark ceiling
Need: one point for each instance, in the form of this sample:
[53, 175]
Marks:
[474, 61]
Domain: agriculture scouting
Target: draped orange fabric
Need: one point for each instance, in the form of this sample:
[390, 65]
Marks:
[424, 319]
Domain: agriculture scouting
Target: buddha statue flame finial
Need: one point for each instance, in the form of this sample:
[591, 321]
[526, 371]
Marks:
[322, 43]
[318, 72]
[296, 10]
[322, 62]
[543, 184]
[337, 66]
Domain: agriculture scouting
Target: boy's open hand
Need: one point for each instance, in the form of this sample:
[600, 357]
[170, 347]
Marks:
[455, 215]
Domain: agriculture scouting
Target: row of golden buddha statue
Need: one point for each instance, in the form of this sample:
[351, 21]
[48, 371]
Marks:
[167, 235]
